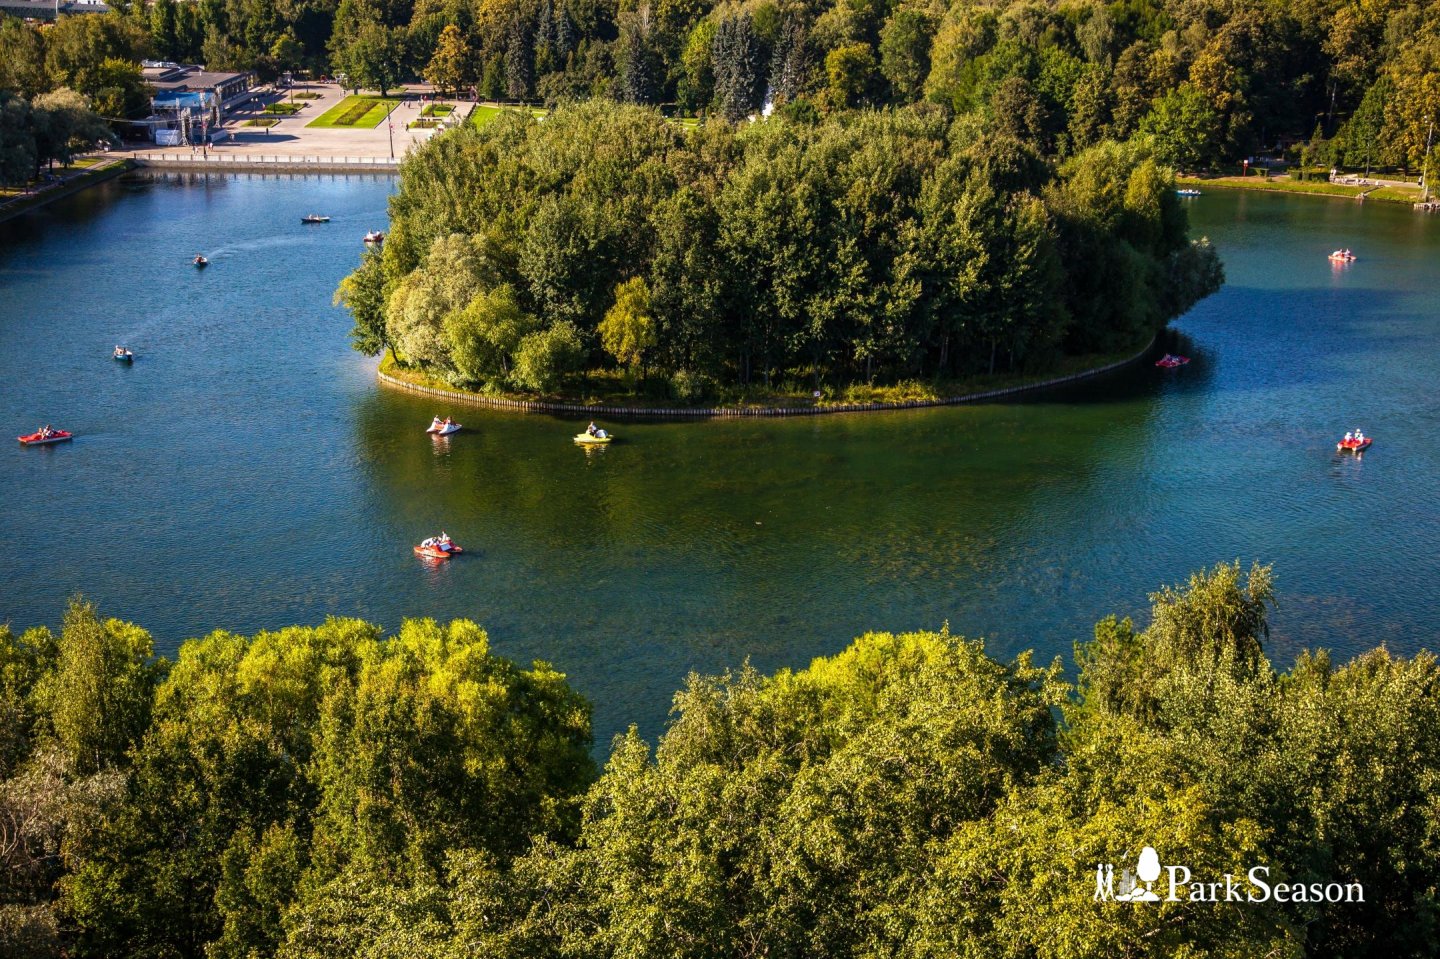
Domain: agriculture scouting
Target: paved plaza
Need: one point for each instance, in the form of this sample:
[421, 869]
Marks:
[291, 136]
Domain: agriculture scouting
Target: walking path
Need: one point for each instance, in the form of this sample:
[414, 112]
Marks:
[69, 180]
[292, 142]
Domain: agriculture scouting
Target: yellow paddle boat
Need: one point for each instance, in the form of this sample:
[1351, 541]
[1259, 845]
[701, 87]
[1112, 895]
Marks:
[597, 438]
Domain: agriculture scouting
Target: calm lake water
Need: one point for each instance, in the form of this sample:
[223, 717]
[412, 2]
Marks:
[247, 472]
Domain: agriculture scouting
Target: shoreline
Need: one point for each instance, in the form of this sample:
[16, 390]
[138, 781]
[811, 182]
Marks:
[1362, 194]
[265, 163]
[69, 187]
[721, 412]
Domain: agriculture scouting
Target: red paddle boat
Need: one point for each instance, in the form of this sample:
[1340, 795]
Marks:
[45, 435]
[438, 547]
[1169, 361]
[1353, 444]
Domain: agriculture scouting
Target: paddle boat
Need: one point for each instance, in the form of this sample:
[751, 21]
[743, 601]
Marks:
[123, 355]
[314, 218]
[200, 262]
[375, 236]
[1169, 361]
[443, 427]
[1343, 256]
[1187, 191]
[438, 547]
[1354, 442]
[593, 437]
[45, 435]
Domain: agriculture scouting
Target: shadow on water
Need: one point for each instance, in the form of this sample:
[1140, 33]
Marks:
[697, 545]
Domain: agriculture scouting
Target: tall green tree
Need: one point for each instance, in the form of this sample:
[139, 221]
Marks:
[453, 64]
[98, 696]
[628, 330]
[22, 59]
[851, 71]
[19, 158]
[375, 58]
[905, 52]
[737, 61]
[1184, 128]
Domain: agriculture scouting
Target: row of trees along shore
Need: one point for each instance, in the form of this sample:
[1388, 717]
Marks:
[60, 86]
[877, 245]
[327, 792]
[1211, 82]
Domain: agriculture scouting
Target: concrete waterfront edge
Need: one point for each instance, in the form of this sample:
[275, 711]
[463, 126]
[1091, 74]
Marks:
[267, 163]
[543, 406]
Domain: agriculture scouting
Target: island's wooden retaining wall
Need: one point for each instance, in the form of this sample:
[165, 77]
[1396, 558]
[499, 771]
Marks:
[671, 412]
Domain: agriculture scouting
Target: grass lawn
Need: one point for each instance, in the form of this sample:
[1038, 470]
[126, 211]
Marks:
[437, 110]
[422, 124]
[1396, 194]
[483, 114]
[307, 96]
[260, 122]
[79, 163]
[357, 112]
[288, 109]
[1312, 187]
[94, 169]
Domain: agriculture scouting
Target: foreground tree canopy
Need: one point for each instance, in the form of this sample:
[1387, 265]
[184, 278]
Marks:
[326, 792]
[881, 244]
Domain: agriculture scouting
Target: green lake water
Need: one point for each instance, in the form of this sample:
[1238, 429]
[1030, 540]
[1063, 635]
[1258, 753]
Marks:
[248, 472]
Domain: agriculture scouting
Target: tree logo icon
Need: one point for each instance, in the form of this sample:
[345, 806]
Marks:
[1147, 870]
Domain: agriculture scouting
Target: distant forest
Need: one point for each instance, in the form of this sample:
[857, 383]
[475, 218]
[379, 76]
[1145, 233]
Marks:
[1211, 82]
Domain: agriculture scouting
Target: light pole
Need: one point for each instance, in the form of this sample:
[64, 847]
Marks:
[1425, 176]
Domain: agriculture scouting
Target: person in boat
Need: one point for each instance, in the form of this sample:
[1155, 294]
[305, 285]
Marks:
[443, 541]
[1349, 436]
[591, 430]
[435, 424]
[427, 542]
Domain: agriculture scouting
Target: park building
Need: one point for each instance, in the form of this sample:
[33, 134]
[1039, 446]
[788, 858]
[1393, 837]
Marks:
[191, 103]
[50, 9]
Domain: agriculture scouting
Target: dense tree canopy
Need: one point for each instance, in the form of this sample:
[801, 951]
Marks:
[1234, 77]
[326, 792]
[883, 245]
[1211, 83]
[258, 785]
